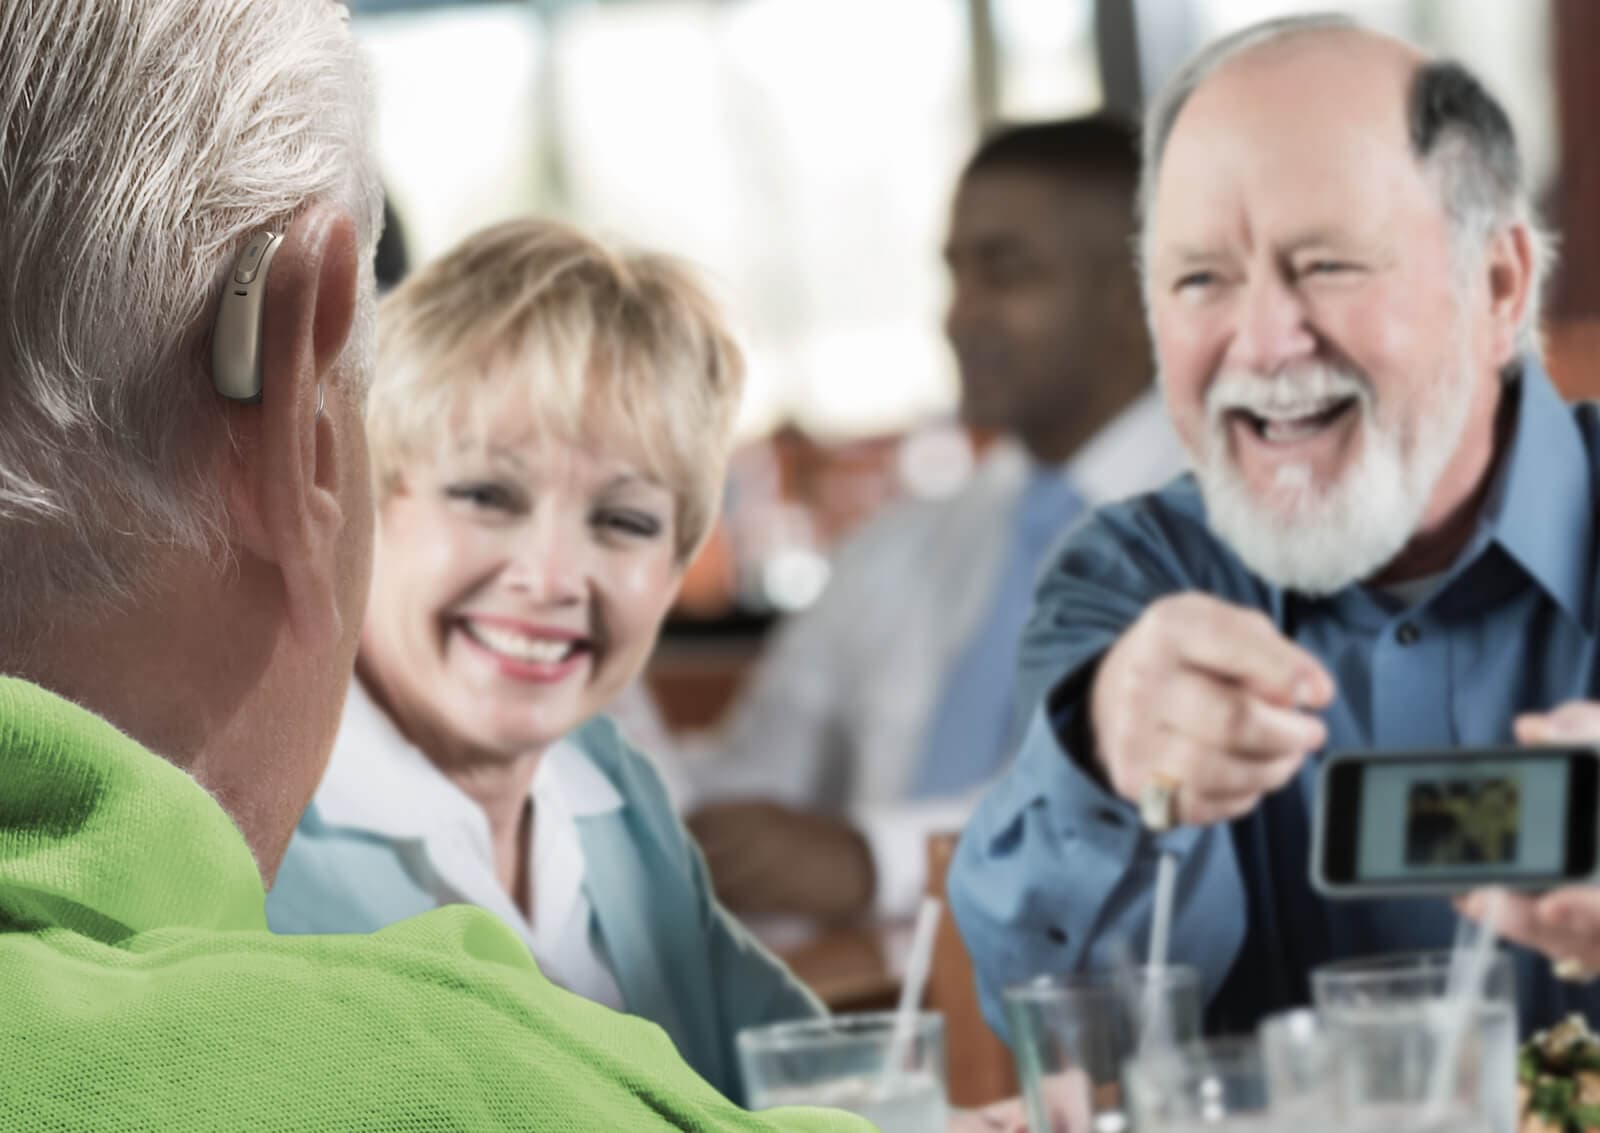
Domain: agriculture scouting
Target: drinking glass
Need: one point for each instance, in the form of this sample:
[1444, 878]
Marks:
[843, 1062]
[1071, 1034]
[1300, 1053]
[1396, 1024]
[1204, 1087]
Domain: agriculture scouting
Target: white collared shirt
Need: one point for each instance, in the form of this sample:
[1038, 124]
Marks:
[379, 782]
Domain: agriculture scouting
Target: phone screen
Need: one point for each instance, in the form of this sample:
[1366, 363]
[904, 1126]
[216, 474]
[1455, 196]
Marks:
[1436, 818]
[1460, 819]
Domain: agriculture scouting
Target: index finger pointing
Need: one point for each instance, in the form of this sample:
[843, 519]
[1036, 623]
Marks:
[1243, 645]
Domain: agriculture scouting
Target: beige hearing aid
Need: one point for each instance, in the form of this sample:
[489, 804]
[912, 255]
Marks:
[236, 334]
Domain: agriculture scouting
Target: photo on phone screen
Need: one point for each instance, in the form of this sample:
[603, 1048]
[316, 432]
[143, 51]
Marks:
[1425, 817]
[1451, 823]
[1441, 821]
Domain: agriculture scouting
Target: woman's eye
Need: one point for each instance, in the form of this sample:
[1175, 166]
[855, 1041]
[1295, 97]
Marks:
[636, 523]
[482, 495]
[1327, 267]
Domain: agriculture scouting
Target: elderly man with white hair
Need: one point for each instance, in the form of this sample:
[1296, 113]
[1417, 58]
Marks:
[182, 581]
[1389, 540]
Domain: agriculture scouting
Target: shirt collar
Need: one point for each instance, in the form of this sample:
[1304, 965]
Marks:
[106, 838]
[380, 782]
[1540, 511]
[565, 773]
[1136, 449]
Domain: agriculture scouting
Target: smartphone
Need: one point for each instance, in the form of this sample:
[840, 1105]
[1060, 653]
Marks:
[1403, 823]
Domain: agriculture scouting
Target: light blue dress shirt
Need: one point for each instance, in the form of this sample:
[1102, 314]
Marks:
[968, 736]
[1055, 874]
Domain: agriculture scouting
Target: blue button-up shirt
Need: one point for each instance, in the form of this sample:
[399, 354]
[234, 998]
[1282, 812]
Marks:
[1055, 874]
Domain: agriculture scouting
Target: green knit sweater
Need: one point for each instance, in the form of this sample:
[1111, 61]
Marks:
[140, 989]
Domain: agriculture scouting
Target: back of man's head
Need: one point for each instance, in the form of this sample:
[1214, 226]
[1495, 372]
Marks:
[141, 141]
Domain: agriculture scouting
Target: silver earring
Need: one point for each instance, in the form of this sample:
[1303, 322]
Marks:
[318, 417]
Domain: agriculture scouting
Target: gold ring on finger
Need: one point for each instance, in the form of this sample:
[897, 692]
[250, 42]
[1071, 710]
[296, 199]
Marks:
[1158, 802]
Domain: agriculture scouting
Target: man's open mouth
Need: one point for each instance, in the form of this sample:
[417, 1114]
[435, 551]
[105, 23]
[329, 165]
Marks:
[1290, 424]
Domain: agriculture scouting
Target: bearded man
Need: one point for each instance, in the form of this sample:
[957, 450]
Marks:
[1388, 540]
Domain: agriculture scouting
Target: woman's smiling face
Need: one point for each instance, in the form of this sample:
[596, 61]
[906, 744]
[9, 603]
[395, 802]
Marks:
[518, 586]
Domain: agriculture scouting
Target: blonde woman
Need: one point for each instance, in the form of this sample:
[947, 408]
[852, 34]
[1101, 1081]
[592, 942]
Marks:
[549, 425]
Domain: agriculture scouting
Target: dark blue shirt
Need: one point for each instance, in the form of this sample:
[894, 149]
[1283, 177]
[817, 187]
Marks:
[1054, 873]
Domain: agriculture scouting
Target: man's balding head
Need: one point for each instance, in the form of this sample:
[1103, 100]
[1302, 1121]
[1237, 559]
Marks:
[1339, 267]
[1456, 130]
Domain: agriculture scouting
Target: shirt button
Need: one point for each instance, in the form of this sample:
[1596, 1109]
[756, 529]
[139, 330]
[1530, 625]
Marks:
[1408, 633]
[1055, 934]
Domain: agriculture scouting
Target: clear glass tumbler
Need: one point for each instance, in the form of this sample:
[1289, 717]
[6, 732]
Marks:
[1204, 1087]
[844, 1062]
[1070, 1036]
[1413, 1059]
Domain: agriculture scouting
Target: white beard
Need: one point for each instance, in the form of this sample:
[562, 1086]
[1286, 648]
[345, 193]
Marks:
[1318, 540]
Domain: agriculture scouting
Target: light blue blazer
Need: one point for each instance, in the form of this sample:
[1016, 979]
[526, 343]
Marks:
[679, 958]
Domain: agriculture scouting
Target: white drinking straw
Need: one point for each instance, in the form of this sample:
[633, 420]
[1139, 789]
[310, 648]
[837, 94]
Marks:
[1153, 1035]
[1161, 916]
[1469, 969]
[911, 988]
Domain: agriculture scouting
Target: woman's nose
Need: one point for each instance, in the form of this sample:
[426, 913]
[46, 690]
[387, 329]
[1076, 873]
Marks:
[547, 565]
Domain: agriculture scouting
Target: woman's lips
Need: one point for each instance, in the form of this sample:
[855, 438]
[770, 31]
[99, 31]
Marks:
[539, 656]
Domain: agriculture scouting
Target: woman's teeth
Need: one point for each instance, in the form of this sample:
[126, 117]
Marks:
[521, 647]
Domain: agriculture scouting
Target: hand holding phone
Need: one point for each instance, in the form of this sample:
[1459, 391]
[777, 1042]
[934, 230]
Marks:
[1564, 923]
[1401, 823]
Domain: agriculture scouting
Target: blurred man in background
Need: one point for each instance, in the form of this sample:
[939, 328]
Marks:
[879, 712]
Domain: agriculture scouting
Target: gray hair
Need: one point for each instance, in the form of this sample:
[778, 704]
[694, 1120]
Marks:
[141, 141]
[1458, 131]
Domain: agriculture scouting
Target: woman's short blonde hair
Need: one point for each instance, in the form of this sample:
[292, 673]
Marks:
[614, 350]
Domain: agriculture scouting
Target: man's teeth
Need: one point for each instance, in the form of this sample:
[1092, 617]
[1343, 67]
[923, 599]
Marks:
[1280, 424]
[1301, 411]
[1285, 432]
[539, 650]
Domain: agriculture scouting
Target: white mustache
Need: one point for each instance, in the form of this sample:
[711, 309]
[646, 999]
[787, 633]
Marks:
[1292, 393]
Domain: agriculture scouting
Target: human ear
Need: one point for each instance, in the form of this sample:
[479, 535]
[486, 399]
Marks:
[1508, 267]
[300, 445]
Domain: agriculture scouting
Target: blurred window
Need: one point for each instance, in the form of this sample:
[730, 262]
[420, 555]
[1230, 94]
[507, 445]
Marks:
[1046, 56]
[801, 151]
